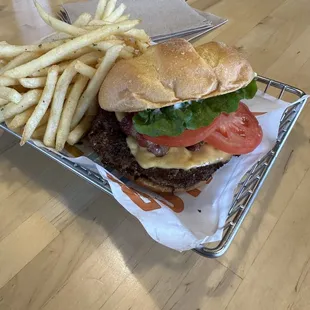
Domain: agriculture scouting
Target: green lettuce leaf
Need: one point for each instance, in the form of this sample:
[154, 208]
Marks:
[171, 121]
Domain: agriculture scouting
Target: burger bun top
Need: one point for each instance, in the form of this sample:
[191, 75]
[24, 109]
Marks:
[173, 72]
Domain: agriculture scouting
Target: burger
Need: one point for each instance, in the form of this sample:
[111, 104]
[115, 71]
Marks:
[172, 116]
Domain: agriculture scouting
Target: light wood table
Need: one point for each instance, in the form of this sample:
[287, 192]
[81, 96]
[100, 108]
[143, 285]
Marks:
[65, 245]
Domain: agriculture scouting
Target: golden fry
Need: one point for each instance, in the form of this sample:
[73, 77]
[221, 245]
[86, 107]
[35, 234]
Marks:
[29, 99]
[68, 111]
[21, 119]
[57, 104]
[37, 82]
[10, 94]
[57, 24]
[100, 9]
[116, 14]
[20, 60]
[6, 81]
[42, 105]
[109, 8]
[93, 86]
[82, 20]
[80, 130]
[84, 69]
[9, 50]
[60, 52]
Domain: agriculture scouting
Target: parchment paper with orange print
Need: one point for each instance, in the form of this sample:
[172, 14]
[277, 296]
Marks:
[184, 220]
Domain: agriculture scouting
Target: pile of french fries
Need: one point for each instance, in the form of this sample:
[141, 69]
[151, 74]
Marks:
[49, 91]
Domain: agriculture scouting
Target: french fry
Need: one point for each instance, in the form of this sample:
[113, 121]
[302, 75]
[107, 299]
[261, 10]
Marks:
[8, 124]
[116, 14]
[100, 9]
[125, 53]
[142, 46]
[2, 63]
[105, 45]
[22, 118]
[78, 53]
[70, 88]
[57, 24]
[90, 93]
[57, 104]
[139, 34]
[10, 94]
[18, 130]
[80, 130]
[42, 105]
[82, 20]
[3, 102]
[84, 69]
[129, 49]
[8, 50]
[109, 8]
[65, 61]
[29, 99]
[40, 76]
[94, 27]
[45, 118]
[91, 58]
[6, 81]
[37, 82]
[39, 132]
[67, 114]
[20, 60]
[96, 22]
[112, 37]
[43, 72]
[123, 18]
[59, 52]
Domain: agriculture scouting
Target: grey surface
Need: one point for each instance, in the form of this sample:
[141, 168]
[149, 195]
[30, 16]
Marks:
[159, 17]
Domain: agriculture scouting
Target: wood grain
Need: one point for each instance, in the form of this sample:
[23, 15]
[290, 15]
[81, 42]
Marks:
[17, 251]
[66, 245]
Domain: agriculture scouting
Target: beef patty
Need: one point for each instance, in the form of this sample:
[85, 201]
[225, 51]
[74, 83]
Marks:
[109, 142]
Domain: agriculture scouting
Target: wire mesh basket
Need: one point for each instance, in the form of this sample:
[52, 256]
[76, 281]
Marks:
[247, 189]
[251, 183]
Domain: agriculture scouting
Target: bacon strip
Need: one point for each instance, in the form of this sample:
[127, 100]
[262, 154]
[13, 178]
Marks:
[128, 128]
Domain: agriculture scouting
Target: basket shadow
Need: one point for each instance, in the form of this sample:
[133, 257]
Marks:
[162, 275]
[265, 211]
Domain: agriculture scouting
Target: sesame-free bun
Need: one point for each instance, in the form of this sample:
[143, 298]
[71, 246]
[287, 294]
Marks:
[172, 72]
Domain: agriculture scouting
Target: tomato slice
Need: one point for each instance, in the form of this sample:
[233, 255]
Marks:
[187, 138]
[237, 133]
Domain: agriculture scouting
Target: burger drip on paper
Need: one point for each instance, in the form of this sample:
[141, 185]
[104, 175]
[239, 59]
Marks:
[174, 115]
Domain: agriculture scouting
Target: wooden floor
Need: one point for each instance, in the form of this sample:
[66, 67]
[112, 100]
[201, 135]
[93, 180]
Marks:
[66, 245]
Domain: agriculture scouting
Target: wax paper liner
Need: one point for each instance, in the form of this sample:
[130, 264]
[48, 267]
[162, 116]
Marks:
[183, 221]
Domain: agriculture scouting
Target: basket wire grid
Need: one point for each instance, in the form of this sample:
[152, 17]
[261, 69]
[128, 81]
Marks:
[247, 189]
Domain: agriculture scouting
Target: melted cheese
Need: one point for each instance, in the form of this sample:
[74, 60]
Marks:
[177, 157]
[120, 115]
